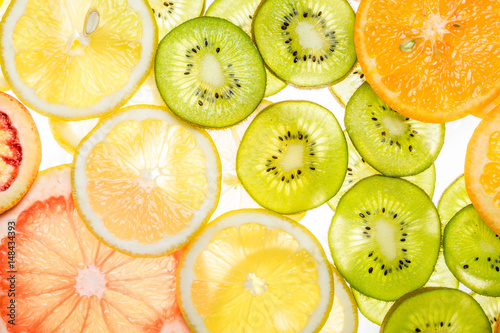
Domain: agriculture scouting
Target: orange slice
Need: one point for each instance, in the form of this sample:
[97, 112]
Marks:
[487, 109]
[434, 61]
[145, 181]
[65, 280]
[482, 170]
[20, 151]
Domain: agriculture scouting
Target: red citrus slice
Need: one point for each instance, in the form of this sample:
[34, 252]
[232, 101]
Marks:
[20, 151]
[59, 277]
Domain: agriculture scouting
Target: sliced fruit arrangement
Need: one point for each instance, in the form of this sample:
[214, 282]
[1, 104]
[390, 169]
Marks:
[171, 13]
[145, 182]
[437, 310]
[293, 157]
[255, 270]
[358, 169]
[343, 317]
[241, 13]
[454, 198]
[472, 252]
[488, 108]
[209, 72]
[491, 306]
[390, 142]
[422, 59]
[20, 151]
[482, 170]
[66, 279]
[77, 60]
[385, 237]
[345, 88]
[306, 43]
[4, 85]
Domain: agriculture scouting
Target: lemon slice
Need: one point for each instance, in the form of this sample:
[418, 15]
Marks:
[77, 59]
[4, 85]
[255, 271]
[144, 182]
[343, 317]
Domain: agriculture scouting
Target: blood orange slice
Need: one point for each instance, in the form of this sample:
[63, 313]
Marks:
[432, 61]
[62, 278]
[20, 151]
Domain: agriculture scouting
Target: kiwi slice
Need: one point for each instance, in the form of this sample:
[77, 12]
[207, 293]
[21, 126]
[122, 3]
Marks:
[345, 88]
[385, 237]
[375, 310]
[392, 143]
[472, 252]
[171, 13]
[454, 198]
[241, 13]
[306, 43]
[358, 169]
[490, 305]
[293, 157]
[209, 72]
[436, 310]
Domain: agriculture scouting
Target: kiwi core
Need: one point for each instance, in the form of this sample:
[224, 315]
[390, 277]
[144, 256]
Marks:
[255, 285]
[293, 157]
[395, 125]
[309, 37]
[386, 234]
[211, 71]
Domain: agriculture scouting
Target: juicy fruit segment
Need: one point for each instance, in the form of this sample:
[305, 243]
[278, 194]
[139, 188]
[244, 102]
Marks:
[482, 170]
[4, 85]
[472, 252]
[385, 237]
[306, 43]
[241, 13]
[171, 13]
[66, 278]
[89, 56]
[20, 151]
[293, 157]
[491, 306]
[393, 144]
[251, 269]
[344, 89]
[421, 57]
[209, 72]
[454, 198]
[436, 309]
[145, 182]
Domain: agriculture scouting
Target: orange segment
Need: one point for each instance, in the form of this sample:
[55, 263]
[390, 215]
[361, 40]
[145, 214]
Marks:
[482, 170]
[66, 279]
[422, 57]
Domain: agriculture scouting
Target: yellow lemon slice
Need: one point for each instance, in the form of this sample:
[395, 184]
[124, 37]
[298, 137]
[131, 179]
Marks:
[77, 59]
[255, 271]
[3, 83]
[144, 182]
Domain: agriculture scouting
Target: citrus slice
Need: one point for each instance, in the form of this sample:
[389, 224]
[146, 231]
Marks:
[487, 109]
[252, 270]
[433, 61]
[64, 278]
[343, 317]
[482, 170]
[68, 134]
[145, 182]
[3, 83]
[171, 13]
[77, 60]
[20, 151]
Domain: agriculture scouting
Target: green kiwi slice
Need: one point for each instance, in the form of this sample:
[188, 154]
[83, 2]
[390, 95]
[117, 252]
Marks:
[241, 13]
[490, 305]
[293, 157]
[171, 13]
[454, 198]
[392, 143]
[306, 43]
[209, 72]
[345, 88]
[375, 310]
[358, 169]
[472, 252]
[385, 237]
[436, 310]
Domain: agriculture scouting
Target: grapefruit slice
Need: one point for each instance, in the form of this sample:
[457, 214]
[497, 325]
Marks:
[145, 181]
[482, 170]
[433, 61]
[66, 279]
[20, 151]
